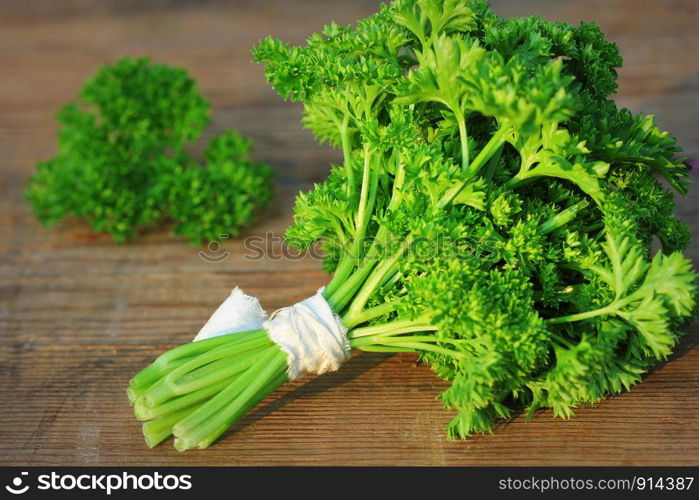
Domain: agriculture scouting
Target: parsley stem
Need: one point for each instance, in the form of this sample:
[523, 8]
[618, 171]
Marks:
[571, 318]
[363, 201]
[493, 164]
[347, 153]
[429, 347]
[158, 430]
[346, 291]
[385, 348]
[463, 136]
[491, 147]
[377, 276]
[192, 349]
[563, 218]
[562, 341]
[419, 342]
[342, 273]
[392, 328]
[350, 320]
[594, 227]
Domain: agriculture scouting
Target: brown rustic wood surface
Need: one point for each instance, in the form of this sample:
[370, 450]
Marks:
[80, 315]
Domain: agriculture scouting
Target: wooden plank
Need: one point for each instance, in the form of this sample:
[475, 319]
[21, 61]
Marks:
[80, 315]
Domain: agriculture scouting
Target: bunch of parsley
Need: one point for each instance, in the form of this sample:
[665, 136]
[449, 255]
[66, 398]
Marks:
[123, 161]
[495, 212]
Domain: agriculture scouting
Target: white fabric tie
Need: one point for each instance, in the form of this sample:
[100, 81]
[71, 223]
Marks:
[309, 332]
[238, 313]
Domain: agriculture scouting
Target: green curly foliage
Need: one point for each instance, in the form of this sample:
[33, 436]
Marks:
[123, 161]
[495, 211]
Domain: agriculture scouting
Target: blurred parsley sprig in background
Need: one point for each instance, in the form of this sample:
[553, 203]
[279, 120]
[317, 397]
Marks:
[123, 164]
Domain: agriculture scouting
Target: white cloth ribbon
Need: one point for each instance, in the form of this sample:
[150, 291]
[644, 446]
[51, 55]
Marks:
[309, 332]
[238, 313]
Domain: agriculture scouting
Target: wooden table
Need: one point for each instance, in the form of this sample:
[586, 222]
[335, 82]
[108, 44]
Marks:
[79, 315]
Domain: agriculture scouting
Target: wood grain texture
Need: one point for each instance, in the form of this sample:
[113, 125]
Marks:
[80, 315]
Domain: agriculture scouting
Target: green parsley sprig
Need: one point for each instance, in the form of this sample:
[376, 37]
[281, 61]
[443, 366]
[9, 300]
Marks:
[123, 160]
